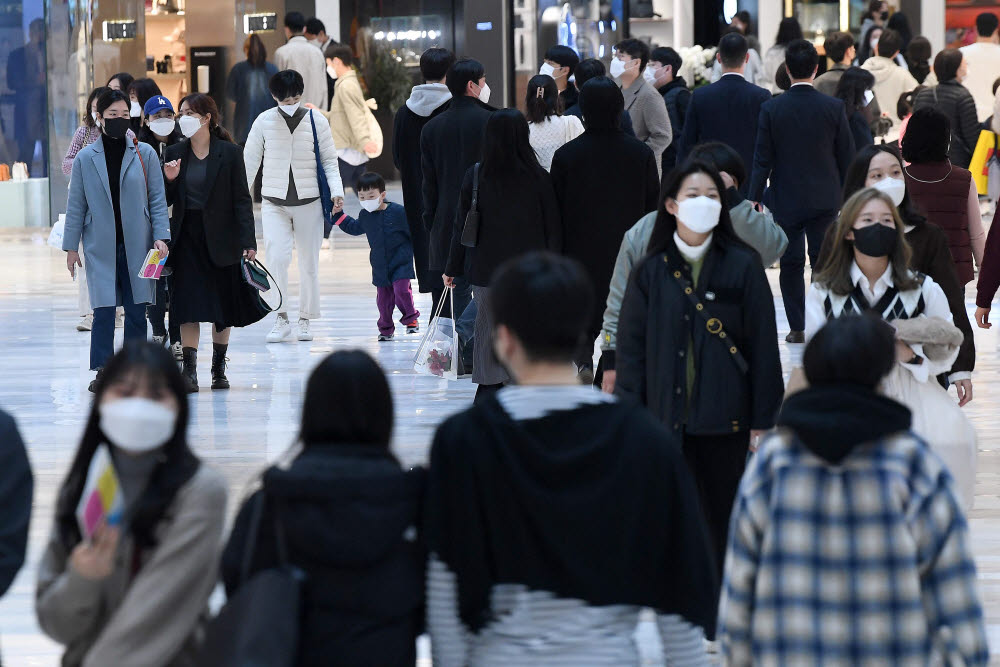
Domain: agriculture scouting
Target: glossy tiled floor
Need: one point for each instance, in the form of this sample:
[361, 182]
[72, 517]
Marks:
[44, 384]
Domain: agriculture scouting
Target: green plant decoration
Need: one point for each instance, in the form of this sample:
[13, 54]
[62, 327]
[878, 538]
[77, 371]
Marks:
[385, 76]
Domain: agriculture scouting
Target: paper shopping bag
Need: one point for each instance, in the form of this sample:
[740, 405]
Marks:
[101, 499]
[979, 166]
[437, 354]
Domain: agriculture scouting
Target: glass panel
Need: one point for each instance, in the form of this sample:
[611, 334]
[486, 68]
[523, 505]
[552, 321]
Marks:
[22, 105]
[818, 19]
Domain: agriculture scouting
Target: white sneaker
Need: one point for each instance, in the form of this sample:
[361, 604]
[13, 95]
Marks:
[325, 245]
[178, 351]
[86, 322]
[304, 333]
[281, 331]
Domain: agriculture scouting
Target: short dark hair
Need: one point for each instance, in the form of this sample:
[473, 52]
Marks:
[946, 64]
[286, 83]
[370, 180]
[987, 24]
[789, 30]
[461, 73]
[635, 48]
[342, 51]
[587, 70]
[837, 44]
[565, 56]
[927, 136]
[434, 63]
[723, 157]
[801, 59]
[667, 56]
[744, 18]
[362, 413]
[546, 301]
[854, 349]
[602, 104]
[889, 43]
[919, 49]
[124, 78]
[733, 49]
[314, 26]
[109, 97]
[295, 22]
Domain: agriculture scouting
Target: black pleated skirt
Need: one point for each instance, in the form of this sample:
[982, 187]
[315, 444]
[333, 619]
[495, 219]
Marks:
[204, 292]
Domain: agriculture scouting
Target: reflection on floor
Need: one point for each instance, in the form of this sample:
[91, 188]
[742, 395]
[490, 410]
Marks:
[44, 384]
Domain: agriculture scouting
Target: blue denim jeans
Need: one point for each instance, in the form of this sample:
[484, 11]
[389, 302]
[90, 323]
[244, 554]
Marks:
[102, 335]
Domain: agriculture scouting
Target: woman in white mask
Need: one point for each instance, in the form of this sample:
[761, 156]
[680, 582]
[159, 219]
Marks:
[130, 589]
[213, 229]
[139, 92]
[880, 167]
[697, 340]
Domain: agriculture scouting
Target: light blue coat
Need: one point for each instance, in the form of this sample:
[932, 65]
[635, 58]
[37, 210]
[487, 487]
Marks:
[90, 216]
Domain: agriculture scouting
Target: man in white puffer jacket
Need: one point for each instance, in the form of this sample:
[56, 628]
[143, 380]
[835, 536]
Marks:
[292, 214]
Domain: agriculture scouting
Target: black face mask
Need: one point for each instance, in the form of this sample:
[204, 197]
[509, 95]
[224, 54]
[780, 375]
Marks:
[116, 127]
[876, 240]
[885, 16]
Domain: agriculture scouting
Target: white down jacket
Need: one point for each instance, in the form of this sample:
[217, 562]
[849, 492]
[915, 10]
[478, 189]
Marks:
[271, 142]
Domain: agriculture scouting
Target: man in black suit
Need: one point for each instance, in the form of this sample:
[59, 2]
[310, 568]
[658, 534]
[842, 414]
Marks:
[727, 110]
[450, 143]
[804, 145]
[16, 488]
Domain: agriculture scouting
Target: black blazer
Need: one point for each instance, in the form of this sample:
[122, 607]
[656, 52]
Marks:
[449, 144]
[228, 214]
[804, 144]
[725, 111]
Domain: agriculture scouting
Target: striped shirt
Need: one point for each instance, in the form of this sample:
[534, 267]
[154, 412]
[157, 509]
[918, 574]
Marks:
[536, 627]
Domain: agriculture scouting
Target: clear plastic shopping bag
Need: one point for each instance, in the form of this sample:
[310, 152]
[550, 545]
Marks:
[58, 231]
[437, 354]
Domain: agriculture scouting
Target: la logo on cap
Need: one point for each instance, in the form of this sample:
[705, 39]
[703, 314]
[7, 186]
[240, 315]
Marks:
[162, 101]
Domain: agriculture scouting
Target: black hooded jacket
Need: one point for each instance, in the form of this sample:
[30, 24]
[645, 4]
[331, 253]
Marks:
[831, 420]
[350, 516]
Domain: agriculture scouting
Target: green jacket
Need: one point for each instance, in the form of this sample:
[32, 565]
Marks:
[757, 230]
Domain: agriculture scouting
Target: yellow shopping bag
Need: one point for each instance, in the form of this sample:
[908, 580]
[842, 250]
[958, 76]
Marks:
[986, 148]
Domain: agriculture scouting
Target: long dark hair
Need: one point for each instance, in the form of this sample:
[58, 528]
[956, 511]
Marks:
[88, 120]
[865, 48]
[857, 174]
[204, 105]
[256, 51]
[789, 30]
[506, 148]
[144, 89]
[852, 86]
[836, 272]
[124, 78]
[542, 99]
[666, 223]
[918, 55]
[155, 367]
[361, 414]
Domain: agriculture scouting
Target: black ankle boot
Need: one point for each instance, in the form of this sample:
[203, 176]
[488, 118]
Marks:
[219, 380]
[190, 369]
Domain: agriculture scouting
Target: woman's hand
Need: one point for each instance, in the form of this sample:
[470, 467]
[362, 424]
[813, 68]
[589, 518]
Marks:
[370, 148]
[171, 170]
[964, 389]
[307, 105]
[73, 261]
[95, 560]
[250, 254]
[608, 382]
[727, 180]
[162, 247]
[449, 282]
[904, 354]
[983, 318]
[338, 202]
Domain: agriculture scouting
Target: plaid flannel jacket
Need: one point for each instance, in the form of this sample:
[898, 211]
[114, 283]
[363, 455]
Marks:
[862, 563]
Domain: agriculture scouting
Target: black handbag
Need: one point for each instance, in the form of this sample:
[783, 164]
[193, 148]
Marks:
[256, 276]
[259, 625]
[470, 233]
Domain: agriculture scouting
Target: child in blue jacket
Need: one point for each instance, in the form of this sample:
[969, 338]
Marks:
[384, 223]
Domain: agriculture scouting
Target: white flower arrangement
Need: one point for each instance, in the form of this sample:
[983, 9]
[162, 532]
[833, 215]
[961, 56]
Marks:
[697, 67]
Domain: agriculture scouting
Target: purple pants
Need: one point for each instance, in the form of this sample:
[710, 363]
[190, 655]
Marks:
[398, 296]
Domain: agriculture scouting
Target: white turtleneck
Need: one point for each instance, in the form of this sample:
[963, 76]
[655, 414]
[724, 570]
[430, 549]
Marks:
[689, 252]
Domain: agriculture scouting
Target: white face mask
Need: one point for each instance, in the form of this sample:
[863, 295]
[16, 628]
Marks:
[332, 72]
[547, 70]
[894, 187]
[371, 205]
[617, 68]
[189, 125]
[134, 110]
[874, 45]
[649, 74]
[869, 96]
[162, 127]
[93, 114]
[484, 93]
[289, 109]
[137, 425]
[699, 214]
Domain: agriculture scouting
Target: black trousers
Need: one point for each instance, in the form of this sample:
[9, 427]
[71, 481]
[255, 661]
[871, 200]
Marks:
[793, 263]
[717, 463]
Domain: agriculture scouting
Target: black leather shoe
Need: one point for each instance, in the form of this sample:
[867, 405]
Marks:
[219, 379]
[96, 381]
[190, 369]
[795, 337]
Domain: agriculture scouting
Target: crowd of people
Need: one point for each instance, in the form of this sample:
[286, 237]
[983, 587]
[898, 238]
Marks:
[818, 522]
